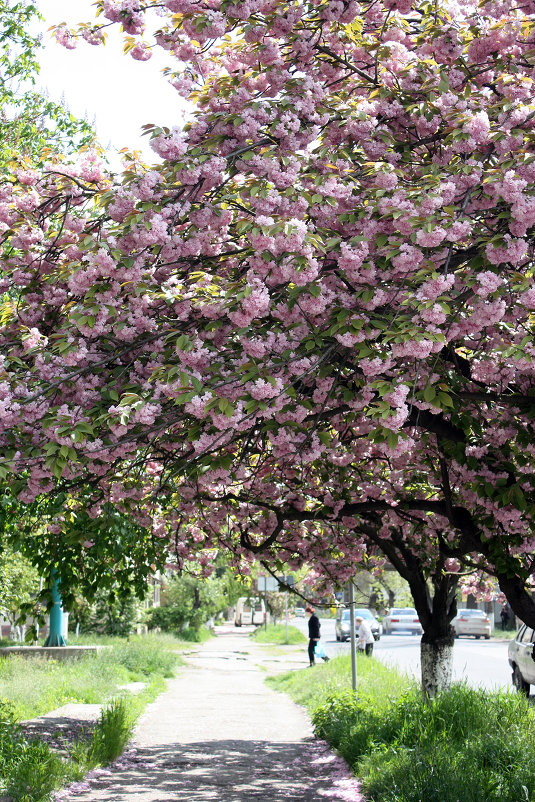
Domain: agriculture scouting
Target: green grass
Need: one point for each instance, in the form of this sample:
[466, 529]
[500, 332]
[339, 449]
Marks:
[310, 687]
[501, 634]
[36, 686]
[468, 745]
[162, 640]
[276, 633]
[29, 770]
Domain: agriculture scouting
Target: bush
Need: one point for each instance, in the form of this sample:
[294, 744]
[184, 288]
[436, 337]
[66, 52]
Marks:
[29, 770]
[195, 635]
[464, 746]
[187, 602]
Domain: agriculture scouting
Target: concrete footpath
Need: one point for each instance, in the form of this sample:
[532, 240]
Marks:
[219, 734]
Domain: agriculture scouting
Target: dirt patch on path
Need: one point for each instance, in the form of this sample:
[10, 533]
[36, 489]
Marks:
[219, 734]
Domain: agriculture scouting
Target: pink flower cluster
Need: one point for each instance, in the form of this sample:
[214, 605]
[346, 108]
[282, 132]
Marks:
[512, 251]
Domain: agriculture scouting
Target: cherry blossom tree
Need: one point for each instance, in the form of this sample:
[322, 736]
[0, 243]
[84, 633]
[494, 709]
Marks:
[306, 332]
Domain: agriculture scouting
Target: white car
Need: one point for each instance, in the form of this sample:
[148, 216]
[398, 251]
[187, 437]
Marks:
[521, 659]
[342, 625]
[472, 622]
[402, 619]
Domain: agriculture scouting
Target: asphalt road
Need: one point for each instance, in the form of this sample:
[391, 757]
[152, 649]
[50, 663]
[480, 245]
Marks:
[480, 663]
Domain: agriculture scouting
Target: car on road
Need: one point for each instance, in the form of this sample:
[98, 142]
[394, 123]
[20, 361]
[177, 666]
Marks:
[299, 612]
[521, 659]
[472, 622]
[402, 619]
[343, 620]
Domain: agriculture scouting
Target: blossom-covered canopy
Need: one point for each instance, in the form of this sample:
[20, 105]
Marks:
[308, 327]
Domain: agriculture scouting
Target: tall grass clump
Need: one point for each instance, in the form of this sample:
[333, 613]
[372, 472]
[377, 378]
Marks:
[29, 770]
[276, 633]
[111, 734]
[467, 745]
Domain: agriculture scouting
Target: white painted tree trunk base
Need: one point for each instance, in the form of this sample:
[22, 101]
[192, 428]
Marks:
[437, 666]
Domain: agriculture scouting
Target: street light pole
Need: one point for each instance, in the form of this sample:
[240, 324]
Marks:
[286, 611]
[352, 637]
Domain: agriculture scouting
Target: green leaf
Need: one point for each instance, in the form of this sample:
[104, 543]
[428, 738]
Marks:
[183, 342]
[128, 399]
[445, 400]
[392, 438]
[429, 394]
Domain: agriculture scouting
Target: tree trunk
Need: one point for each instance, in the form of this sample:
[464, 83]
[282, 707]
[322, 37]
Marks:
[471, 602]
[436, 658]
[435, 603]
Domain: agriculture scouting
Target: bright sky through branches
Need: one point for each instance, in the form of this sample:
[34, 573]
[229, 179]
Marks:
[121, 93]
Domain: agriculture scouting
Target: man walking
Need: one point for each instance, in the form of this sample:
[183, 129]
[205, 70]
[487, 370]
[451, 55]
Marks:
[314, 627]
[366, 639]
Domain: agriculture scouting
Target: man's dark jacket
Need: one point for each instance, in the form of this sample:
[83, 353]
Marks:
[314, 626]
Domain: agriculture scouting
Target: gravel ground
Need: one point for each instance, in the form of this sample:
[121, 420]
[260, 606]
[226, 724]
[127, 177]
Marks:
[219, 734]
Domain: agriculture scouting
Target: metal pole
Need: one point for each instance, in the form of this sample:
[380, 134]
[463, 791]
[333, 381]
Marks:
[265, 605]
[286, 609]
[352, 637]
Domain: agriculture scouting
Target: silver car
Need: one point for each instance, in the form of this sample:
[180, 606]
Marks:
[402, 619]
[342, 623]
[521, 659]
[472, 622]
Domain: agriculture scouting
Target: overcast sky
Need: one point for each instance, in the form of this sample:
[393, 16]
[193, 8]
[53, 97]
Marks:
[102, 83]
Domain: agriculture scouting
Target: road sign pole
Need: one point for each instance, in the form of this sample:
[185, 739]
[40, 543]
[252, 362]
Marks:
[286, 610]
[352, 637]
